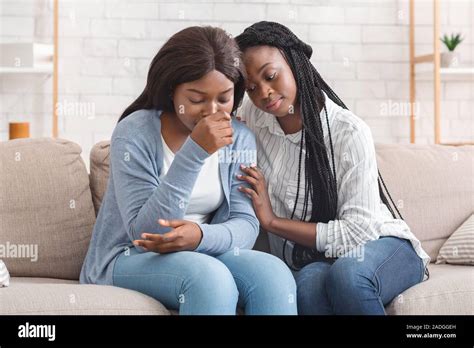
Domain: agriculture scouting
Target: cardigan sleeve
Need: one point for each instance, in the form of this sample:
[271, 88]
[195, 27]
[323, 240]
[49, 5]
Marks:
[143, 198]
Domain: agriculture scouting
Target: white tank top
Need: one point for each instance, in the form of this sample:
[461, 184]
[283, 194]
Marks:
[207, 194]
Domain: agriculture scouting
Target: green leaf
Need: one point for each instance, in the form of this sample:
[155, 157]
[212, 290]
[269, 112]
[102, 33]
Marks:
[452, 41]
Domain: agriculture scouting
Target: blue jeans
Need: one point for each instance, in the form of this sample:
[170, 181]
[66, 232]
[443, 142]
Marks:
[196, 283]
[359, 282]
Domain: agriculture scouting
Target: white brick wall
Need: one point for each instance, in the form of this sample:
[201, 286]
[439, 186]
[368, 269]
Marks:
[360, 47]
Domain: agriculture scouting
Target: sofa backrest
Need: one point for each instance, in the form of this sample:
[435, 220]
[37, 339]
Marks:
[99, 172]
[432, 186]
[46, 211]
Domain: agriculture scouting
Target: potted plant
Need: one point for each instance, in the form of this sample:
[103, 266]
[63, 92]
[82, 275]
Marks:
[450, 58]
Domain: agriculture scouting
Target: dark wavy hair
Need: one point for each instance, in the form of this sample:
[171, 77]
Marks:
[319, 179]
[187, 56]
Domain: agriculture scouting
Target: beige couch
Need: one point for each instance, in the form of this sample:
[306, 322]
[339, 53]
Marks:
[48, 200]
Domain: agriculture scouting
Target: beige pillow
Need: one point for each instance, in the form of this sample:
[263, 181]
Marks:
[46, 210]
[459, 248]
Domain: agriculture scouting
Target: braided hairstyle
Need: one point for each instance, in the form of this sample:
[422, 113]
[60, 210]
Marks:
[319, 178]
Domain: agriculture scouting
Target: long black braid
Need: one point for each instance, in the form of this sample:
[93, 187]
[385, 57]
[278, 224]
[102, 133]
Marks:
[319, 178]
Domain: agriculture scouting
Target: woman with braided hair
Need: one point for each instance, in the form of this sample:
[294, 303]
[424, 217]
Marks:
[317, 190]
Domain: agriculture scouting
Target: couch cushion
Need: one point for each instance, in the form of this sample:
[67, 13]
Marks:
[432, 187]
[44, 296]
[99, 167]
[448, 291]
[46, 211]
[459, 248]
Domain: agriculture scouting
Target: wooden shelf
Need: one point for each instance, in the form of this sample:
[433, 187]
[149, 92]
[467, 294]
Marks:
[435, 73]
[458, 144]
[447, 74]
[44, 67]
[423, 59]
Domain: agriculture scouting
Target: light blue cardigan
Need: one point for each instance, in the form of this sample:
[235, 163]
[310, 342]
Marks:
[136, 197]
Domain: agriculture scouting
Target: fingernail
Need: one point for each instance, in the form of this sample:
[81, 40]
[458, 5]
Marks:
[239, 176]
[242, 166]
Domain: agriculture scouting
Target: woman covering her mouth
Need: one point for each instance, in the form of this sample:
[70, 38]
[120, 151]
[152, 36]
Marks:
[173, 224]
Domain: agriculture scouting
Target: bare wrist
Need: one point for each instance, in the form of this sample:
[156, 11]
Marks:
[270, 225]
[200, 233]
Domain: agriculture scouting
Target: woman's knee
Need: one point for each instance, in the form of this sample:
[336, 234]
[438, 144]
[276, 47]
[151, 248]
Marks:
[311, 275]
[311, 290]
[346, 276]
[211, 279]
[266, 285]
[262, 269]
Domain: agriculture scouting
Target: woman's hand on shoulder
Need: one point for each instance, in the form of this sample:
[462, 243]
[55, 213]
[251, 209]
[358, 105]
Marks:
[258, 193]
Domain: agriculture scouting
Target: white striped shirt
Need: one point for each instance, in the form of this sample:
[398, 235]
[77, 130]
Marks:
[361, 215]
